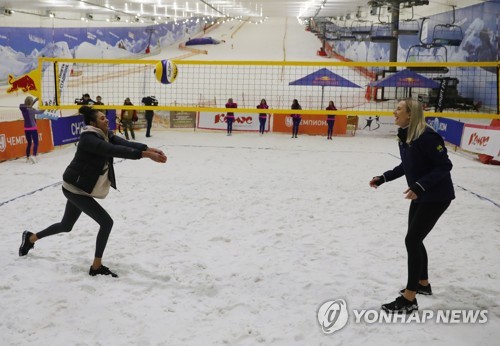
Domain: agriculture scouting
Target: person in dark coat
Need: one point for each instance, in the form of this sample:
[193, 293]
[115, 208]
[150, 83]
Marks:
[149, 114]
[330, 119]
[296, 118]
[90, 175]
[426, 166]
[230, 116]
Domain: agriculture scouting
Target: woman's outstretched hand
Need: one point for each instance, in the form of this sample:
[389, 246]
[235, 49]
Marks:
[155, 154]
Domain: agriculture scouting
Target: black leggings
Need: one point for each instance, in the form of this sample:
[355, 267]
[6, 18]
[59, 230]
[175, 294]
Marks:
[74, 207]
[421, 219]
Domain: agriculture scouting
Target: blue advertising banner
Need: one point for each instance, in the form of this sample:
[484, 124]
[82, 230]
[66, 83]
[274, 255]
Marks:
[67, 130]
[451, 130]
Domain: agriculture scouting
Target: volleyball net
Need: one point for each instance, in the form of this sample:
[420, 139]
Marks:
[458, 90]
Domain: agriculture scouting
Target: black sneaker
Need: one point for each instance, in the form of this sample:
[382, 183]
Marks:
[421, 289]
[102, 270]
[401, 304]
[26, 245]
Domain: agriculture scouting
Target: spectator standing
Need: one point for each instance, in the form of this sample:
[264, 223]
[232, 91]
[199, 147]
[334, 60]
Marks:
[98, 102]
[30, 128]
[330, 120]
[149, 114]
[127, 119]
[230, 116]
[262, 116]
[296, 118]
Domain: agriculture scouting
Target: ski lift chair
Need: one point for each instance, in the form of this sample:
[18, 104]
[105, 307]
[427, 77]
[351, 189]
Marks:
[427, 52]
[409, 26]
[347, 35]
[448, 34]
[360, 27]
[381, 32]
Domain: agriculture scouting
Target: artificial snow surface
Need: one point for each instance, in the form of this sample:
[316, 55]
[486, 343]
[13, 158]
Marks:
[239, 240]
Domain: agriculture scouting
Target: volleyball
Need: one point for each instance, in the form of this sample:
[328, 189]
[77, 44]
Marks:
[166, 71]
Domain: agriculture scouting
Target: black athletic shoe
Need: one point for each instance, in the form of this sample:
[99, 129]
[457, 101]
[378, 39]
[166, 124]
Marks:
[102, 270]
[401, 305]
[26, 245]
[423, 290]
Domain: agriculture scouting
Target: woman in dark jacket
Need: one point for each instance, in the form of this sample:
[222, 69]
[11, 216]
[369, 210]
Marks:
[230, 116]
[330, 119]
[296, 118]
[90, 175]
[426, 166]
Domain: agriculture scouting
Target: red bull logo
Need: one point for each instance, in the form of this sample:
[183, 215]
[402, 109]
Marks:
[24, 84]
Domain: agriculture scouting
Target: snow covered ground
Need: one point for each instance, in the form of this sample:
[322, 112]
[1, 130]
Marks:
[239, 240]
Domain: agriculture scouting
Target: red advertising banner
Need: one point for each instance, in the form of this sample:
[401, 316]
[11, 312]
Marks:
[311, 124]
[13, 141]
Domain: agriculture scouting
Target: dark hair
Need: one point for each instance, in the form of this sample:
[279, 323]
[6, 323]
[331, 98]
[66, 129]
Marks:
[89, 114]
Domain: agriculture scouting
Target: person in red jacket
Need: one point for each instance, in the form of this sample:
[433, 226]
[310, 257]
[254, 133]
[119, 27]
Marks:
[230, 116]
[330, 120]
[262, 116]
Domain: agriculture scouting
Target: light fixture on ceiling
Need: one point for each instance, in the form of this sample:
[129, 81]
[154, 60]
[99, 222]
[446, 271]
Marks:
[51, 14]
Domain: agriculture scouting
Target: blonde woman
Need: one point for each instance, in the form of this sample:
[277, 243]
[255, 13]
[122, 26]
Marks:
[30, 128]
[426, 166]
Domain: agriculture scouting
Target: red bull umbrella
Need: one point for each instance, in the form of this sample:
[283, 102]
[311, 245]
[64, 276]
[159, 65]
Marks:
[324, 77]
[405, 79]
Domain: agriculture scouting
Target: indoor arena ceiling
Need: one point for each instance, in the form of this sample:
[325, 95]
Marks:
[101, 9]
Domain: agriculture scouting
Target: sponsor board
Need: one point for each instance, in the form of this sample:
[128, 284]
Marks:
[13, 140]
[217, 121]
[481, 139]
[311, 124]
[451, 130]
